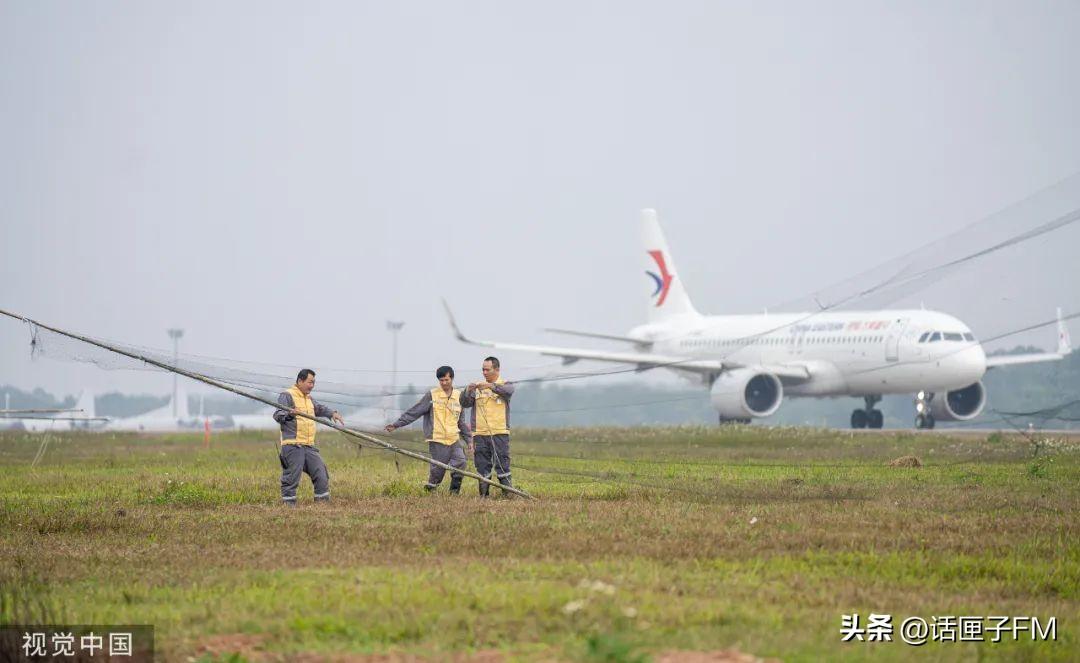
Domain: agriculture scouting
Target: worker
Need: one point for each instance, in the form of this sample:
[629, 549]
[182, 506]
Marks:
[444, 429]
[298, 453]
[490, 401]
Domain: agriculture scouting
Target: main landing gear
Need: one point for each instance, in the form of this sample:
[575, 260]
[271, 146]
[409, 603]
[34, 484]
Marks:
[924, 419]
[868, 418]
[727, 421]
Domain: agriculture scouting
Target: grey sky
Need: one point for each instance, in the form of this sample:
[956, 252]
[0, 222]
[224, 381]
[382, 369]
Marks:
[280, 178]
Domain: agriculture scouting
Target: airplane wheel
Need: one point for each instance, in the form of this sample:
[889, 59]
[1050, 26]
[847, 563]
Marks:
[920, 421]
[858, 419]
[724, 421]
[875, 419]
[930, 421]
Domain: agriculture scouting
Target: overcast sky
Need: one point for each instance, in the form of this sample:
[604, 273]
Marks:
[280, 178]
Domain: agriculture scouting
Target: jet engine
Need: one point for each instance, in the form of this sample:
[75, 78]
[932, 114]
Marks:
[959, 404]
[742, 393]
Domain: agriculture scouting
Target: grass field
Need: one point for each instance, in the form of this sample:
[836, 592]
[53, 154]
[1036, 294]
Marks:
[642, 543]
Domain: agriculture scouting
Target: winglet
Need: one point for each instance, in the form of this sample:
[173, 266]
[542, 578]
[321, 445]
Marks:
[1064, 342]
[453, 324]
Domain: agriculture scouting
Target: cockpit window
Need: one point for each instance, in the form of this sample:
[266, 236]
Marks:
[952, 336]
[968, 336]
[922, 339]
[936, 336]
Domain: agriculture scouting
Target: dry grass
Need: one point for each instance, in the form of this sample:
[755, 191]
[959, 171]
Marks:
[905, 461]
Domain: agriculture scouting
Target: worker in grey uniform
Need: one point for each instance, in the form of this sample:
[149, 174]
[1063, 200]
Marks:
[298, 453]
[444, 423]
[490, 401]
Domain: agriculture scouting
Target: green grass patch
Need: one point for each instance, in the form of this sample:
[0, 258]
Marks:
[641, 541]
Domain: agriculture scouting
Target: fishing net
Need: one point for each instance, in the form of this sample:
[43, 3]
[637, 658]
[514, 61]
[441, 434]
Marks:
[365, 394]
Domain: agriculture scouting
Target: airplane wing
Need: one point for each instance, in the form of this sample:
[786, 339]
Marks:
[788, 373]
[643, 360]
[1064, 347]
[1029, 358]
[639, 343]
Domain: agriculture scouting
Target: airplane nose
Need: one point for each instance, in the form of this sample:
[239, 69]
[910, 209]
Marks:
[974, 361]
[966, 364]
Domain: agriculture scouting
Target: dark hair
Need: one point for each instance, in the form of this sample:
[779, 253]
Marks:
[494, 362]
[303, 374]
[443, 371]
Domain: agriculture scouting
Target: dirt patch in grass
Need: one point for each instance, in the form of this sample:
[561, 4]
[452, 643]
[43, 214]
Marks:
[253, 647]
[905, 461]
[247, 645]
[717, 656]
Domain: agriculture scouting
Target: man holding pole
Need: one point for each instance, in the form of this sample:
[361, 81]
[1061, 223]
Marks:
[490, 400]
[444, 423]
[298, 453]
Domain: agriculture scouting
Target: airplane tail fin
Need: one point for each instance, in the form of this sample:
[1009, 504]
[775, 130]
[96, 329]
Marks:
[86, 404]
[182, 410]
[668, 298]
[1064, 346]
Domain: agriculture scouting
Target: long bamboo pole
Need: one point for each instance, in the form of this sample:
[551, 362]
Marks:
[220, 385]
[17, 417]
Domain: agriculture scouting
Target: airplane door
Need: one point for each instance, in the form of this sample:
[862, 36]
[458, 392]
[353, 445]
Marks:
[892, 339]
[795, 343]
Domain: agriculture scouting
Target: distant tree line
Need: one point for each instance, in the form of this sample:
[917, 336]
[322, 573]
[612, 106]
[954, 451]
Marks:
[1027, 388]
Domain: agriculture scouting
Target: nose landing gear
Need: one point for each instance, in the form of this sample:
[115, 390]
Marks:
[868, 418]
[924, 419]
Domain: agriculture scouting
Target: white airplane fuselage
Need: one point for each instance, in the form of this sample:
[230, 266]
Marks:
[849, 353]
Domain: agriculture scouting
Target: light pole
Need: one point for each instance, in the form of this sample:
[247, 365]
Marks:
[175, 335]
[394, 327]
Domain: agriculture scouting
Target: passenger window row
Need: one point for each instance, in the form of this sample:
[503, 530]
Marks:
[809, 340]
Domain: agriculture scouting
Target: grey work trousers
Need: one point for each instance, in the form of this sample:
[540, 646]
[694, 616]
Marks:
[297, 459]
[492, 452]
[451, 454]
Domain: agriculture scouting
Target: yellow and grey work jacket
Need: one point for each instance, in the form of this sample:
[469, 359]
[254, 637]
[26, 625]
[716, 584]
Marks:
[444, 418]
[297, 430]
[491, 408]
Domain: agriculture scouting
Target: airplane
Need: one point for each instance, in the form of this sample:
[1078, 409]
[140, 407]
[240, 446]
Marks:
[751, 362]
[163, 419]
[82, 417]
[92, 421]
[376, 415]
[260, 421]
[372, 417]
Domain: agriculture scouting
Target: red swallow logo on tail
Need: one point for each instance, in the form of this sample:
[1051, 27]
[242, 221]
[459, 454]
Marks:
[663, 279]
